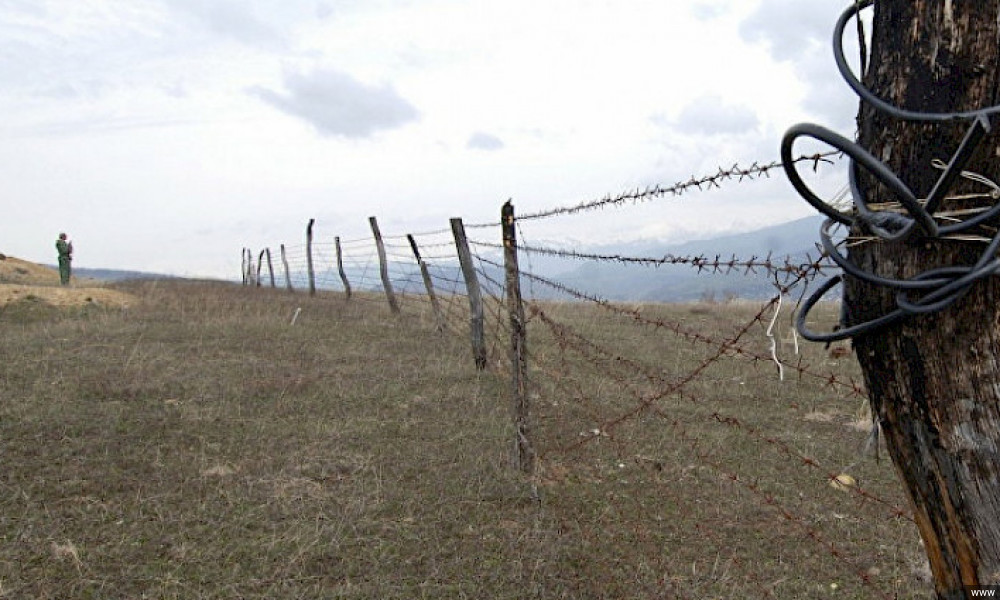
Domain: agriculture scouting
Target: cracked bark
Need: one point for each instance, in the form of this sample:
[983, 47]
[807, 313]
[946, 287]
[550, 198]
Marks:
[934, 381]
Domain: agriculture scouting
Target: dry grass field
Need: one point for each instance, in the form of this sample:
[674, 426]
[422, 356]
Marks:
[197, 444]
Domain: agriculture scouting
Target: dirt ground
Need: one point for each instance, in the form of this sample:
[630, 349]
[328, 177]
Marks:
[20, 279]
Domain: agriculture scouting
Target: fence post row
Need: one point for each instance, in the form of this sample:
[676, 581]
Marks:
[309, 257]
[288, 275]
[340, 268]
[524, 453]
[475, 294]
[383, 266]
[438, 318]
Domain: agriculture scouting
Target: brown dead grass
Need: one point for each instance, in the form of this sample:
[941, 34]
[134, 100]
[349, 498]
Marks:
[201, 446]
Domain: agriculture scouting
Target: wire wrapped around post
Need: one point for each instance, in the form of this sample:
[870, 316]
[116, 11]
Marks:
[940, 287]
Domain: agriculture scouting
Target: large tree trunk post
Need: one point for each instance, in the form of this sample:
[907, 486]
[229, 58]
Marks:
[309, 257]
[934, 380]
[340, 268]
[383, 263]
[428, 285]
[524, 452]
[477, 318]
[288, 273]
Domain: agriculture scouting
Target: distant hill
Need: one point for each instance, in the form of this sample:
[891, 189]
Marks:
[679, 283]
[116, 274]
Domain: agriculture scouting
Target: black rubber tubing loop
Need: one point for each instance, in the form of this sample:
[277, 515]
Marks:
[858, 156]
[879, 104]
[986, 266]
[845, 332]
[854, 271]
[869, 217]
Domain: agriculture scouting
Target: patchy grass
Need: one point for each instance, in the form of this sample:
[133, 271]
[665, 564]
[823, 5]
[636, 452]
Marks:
[198, 445]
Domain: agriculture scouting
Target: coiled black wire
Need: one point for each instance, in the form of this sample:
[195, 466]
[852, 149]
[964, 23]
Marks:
[940, 287]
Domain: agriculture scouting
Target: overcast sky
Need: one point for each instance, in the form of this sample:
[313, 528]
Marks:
[166, 135]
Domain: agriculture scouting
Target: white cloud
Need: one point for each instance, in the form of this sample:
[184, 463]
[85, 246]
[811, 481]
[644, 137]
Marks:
[138, 116]
[808, 47]
[484, 141]
[711, 115]
[337, 104]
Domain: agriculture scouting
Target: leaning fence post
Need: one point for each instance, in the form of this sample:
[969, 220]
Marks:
[309, 257]
[428, 284]
[270, 266]
[475, 294]
[340, 268]
[260, 264]
[524, 453]
[383, 265]
[288, 275]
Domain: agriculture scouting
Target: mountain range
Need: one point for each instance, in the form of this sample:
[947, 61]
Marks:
[630, 280]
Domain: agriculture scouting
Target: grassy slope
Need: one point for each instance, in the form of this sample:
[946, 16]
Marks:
[200, 446]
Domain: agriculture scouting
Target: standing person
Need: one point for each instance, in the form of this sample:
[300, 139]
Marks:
[65, 249]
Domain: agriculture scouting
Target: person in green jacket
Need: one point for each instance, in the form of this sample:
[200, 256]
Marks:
[65, 249]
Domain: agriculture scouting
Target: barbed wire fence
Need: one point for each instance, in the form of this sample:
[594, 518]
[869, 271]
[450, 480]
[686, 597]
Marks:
[635, 396]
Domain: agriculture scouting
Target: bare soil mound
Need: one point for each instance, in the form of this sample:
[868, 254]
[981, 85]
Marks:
[23, 280]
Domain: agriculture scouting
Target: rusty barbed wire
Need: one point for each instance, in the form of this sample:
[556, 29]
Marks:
[735, 172]
[647, 400]
[800, 367]
[786, 266]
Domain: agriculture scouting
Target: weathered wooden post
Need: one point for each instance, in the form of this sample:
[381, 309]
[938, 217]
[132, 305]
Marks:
[477, 320]
[524, 452]
[288, 275]
[260, 264]
[248, 278]
[383, 266]
[270, 266]
[340, 268]
[309, 257]
[428, 284]
[926, 342]
[243, 265]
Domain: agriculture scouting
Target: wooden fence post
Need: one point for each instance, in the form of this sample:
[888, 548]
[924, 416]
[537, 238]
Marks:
[288, 275]
[383, 266]
[475, 294]
[340, 268]
[249, 266]
[260, 264]
[438, 318]
[309, 257]
[243, 264]
[524, 452]
[270, 266]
